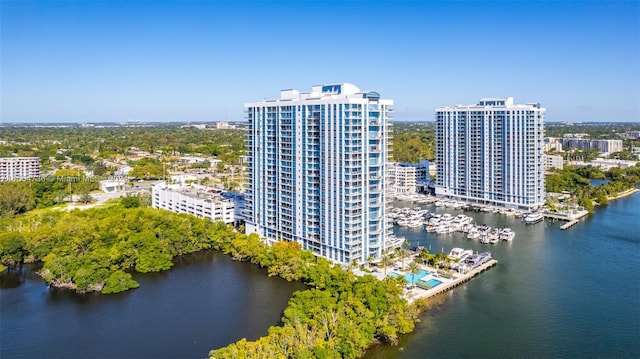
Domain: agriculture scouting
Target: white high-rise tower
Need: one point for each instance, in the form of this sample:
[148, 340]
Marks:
[317, 171]
[491, 153]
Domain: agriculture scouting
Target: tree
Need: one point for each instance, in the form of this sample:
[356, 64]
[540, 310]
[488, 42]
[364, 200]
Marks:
[386, 260]
[425, 255]
[130, 202]
[370, 260]
[402, 254]
[353, 265]
[413, 270]
[85, 198]
[15, 198]
[11, 248]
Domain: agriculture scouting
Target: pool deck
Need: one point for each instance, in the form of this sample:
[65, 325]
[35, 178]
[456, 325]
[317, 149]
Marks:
[413, 292]
[447, 283]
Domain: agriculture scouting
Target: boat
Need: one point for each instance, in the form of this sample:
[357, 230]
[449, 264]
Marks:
[473, 234]
[455, 253]
[533, 217]
[444, 228]
[507, 234]
[414, 224]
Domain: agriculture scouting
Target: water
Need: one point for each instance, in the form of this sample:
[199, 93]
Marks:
[573, 293]
[207, 301]
[554, 293]
[598, 182]
[412, 278]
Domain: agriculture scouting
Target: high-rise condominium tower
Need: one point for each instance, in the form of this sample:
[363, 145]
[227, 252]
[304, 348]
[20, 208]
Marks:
[317, 171]
[491, 153]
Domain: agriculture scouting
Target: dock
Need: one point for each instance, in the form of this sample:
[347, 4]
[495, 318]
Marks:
[569, 224]
[450, 284]
[566, 217]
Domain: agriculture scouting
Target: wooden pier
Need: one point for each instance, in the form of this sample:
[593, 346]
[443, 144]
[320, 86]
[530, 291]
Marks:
[569, 224]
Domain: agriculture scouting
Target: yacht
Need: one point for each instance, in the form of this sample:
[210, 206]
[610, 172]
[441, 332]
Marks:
[473, 234]
[534, 217]
[507, 234]
[455, 253]
[444, 228]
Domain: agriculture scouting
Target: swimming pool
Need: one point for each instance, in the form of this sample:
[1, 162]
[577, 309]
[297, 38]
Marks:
[421, 274]
[431, 282]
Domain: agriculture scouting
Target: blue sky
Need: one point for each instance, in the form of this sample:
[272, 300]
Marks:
[200, 61]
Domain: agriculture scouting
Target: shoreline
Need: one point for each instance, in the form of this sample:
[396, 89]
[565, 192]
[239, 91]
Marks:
[623, 194]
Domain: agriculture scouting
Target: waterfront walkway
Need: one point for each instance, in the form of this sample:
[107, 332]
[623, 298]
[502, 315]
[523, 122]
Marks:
[448, 283]
[453, 280]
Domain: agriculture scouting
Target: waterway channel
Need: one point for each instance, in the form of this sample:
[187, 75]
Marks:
[206, 301]
[554, 293]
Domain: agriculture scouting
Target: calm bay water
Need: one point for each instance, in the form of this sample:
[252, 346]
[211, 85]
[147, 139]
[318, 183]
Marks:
[555, 293]
[206, 301]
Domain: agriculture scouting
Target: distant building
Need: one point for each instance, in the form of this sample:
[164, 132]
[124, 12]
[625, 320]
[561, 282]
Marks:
[491, 153]
[605, 146]
[19, 168]
[632, 135]
[575, 135]
[223, 125]
[189, 160]
[191, 200]
[407, 177]
[552, 144]
[607, 164]
[123, 171]
[553, 161]
[112, 186]
[402, 178]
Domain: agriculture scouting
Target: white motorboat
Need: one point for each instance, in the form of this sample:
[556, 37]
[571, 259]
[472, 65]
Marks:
[507, 234]
[533, 217]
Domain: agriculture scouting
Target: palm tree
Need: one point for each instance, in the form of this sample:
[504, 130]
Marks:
[400, 252]
[370, 260]
[424, 255]
[413, 269]
[353, 265]
[386, 258]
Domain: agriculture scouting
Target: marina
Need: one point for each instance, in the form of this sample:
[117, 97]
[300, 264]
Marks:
[447, 223]
[533, 301]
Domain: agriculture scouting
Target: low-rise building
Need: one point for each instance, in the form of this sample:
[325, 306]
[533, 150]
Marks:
[552, 144]
[112, 185]
[607, 164]
[19, 168]
[402, 178]
[605, 146]
[553, 161]
[197, 201]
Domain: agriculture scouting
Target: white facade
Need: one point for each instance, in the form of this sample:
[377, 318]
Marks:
[192, 201]
[402, 178]
[491, 153]
[552, 144]
[553, 161]
[112, 185]
[19, 168]
[316, 171]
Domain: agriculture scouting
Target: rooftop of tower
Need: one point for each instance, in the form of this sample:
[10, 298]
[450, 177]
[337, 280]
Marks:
[343, 90]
